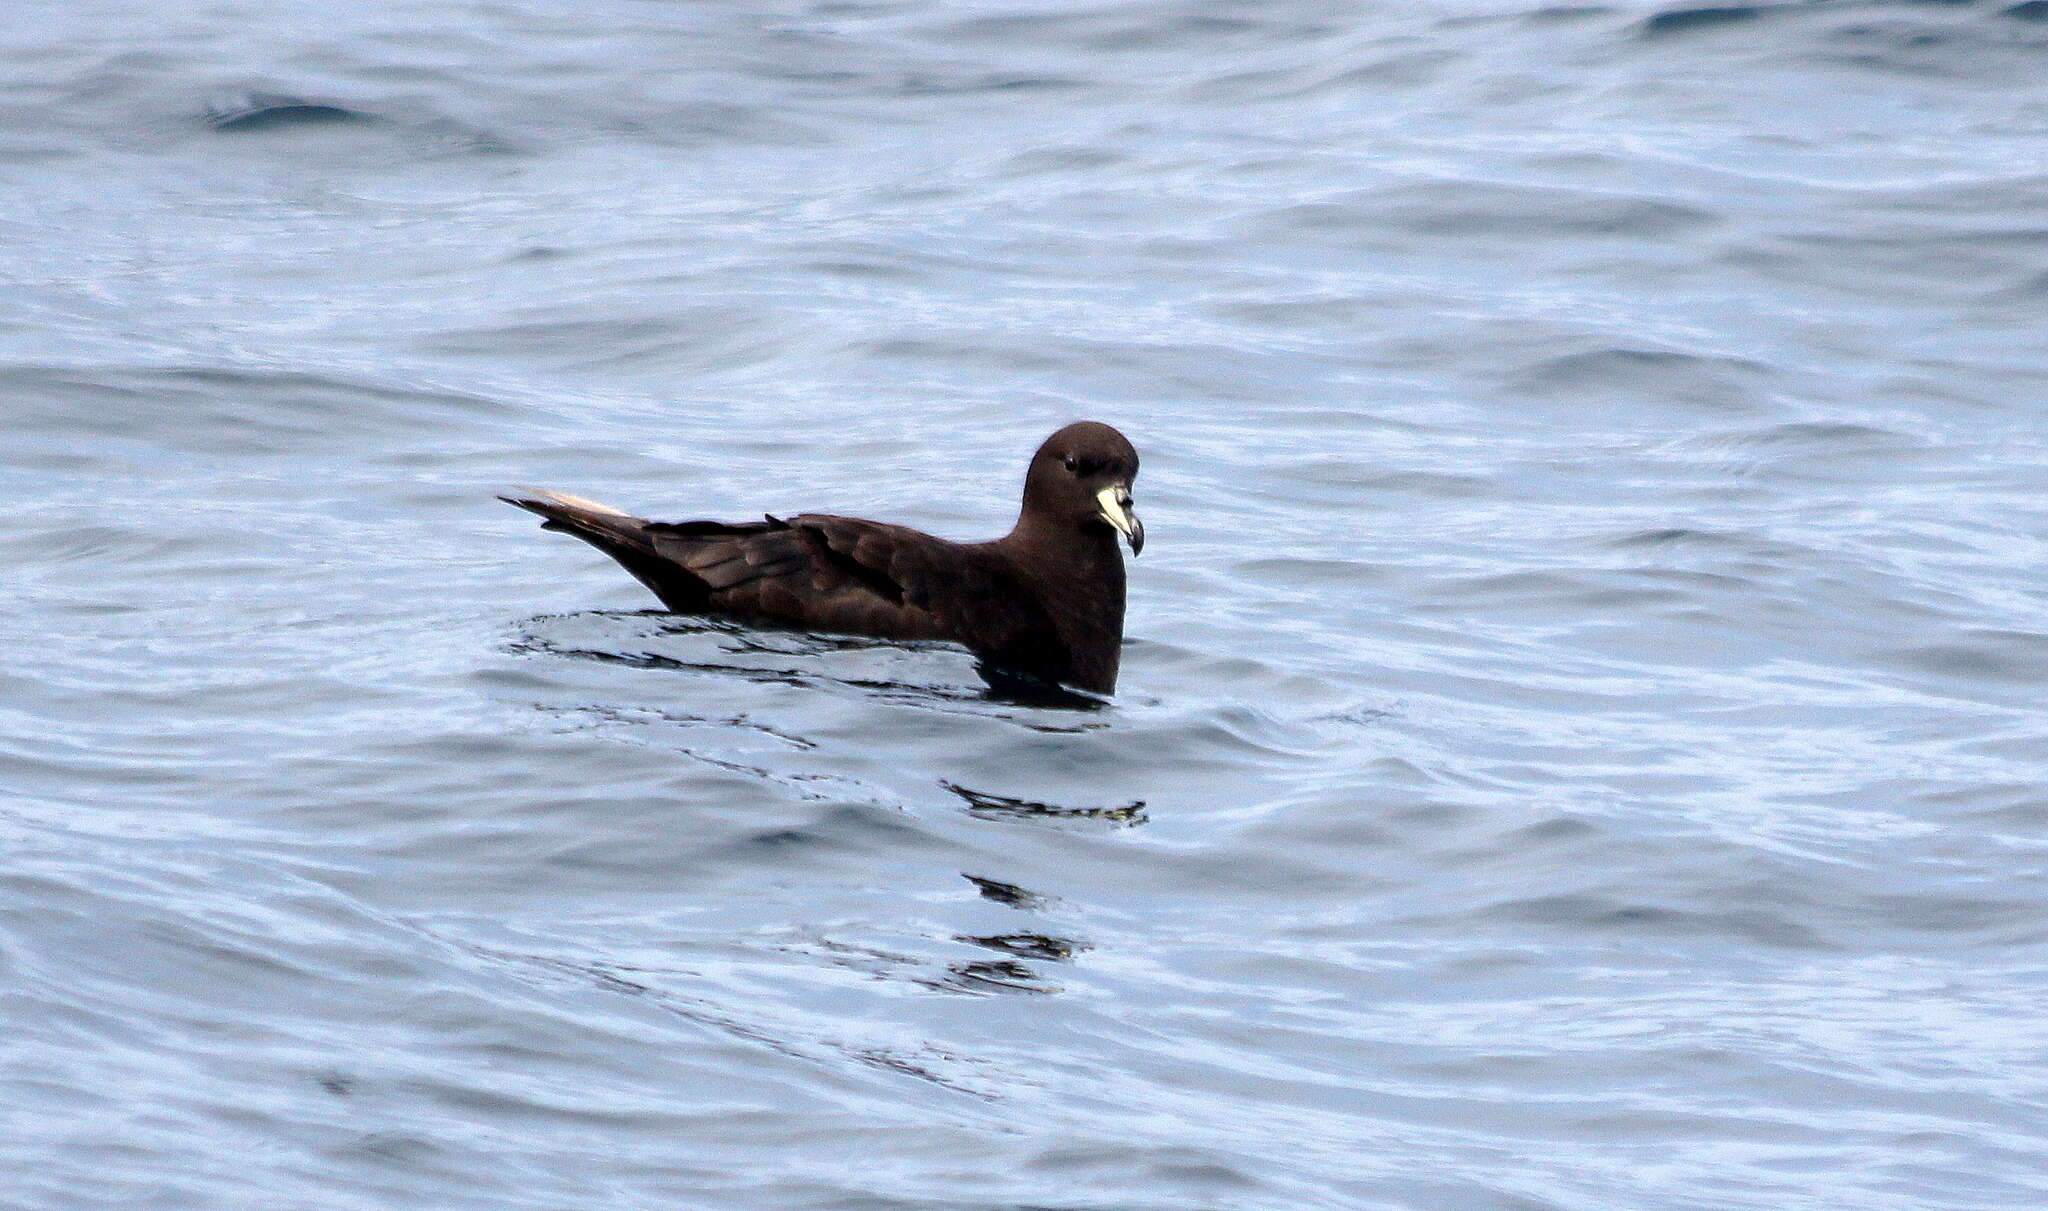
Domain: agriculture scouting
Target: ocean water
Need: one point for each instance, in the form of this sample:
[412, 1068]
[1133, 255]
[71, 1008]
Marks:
[1581, 739]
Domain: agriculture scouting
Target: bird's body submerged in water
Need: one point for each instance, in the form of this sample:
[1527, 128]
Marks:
[1045, 600]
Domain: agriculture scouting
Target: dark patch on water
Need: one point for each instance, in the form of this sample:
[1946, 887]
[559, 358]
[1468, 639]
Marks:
[1689, 20]
[273, 111]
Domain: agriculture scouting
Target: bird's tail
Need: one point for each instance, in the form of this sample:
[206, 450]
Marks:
[615, 533]
[620, 535]
[628, 539]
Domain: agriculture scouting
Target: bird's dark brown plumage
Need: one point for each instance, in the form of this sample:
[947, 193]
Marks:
[1046, 600]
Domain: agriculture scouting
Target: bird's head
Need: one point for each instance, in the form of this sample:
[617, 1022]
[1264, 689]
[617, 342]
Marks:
[1081, 477]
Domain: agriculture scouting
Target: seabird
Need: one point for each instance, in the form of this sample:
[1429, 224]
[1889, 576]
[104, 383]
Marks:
[1045, 601]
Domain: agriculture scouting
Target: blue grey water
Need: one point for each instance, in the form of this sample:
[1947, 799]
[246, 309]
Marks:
[1582, 738]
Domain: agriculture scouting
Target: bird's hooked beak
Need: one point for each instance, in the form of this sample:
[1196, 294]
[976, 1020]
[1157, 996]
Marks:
[1116, 510]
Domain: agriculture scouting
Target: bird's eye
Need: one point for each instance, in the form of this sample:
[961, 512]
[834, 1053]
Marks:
[1073, 464]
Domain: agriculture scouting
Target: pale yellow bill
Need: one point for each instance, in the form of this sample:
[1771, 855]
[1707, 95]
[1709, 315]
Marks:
[1115, 502]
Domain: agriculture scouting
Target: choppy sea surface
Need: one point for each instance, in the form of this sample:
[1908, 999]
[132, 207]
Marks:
[1582, 734]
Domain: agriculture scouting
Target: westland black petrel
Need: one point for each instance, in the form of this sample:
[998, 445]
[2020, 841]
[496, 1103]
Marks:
[1045, 600]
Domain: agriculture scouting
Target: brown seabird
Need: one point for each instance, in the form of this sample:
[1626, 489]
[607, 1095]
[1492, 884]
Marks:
[1045, 601]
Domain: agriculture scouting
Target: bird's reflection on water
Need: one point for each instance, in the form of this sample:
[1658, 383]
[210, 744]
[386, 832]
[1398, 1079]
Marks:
[1000, 687]
[1026, 945]
[943, 1067]
[535, 639]
[983, 803]
[663, 642]
[1007, 893]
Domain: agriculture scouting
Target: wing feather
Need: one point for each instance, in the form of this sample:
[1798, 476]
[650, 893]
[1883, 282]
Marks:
[840, 574]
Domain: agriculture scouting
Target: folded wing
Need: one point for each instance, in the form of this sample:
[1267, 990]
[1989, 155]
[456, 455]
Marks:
[817, 572]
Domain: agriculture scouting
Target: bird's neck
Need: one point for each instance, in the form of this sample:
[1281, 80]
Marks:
[1077, 568]
[1076, 572]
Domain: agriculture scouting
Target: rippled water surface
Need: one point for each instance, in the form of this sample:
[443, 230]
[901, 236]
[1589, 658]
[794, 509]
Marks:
[1581, 737]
